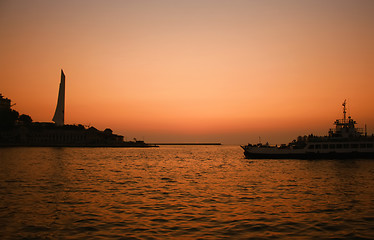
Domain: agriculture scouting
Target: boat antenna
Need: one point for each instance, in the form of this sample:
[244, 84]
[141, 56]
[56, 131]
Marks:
[344, 109]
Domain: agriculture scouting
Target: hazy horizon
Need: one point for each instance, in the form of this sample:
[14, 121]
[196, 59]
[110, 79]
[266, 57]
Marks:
[192, 71]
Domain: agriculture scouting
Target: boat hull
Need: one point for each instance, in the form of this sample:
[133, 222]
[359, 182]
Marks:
[310, 156]
[268, 153]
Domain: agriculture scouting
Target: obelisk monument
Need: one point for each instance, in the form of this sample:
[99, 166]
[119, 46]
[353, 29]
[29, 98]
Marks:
[59, 117]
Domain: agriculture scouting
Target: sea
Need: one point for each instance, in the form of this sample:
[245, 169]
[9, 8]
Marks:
[181, 192]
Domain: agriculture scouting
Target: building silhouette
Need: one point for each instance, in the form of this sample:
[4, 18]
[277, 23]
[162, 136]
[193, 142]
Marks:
[15, 132]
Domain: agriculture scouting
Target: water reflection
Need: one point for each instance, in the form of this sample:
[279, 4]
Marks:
[174, 192]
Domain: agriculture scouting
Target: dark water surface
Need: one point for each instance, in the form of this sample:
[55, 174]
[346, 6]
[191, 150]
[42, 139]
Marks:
[181, 192]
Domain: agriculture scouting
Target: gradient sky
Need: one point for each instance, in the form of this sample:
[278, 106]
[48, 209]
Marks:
[192, 71]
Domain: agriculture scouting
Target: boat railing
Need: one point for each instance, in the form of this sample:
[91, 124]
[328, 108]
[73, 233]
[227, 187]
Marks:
[336, 131]
[345, 121]
[341, 139]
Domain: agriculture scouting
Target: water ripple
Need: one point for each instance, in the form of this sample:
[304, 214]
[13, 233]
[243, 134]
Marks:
[193, 192]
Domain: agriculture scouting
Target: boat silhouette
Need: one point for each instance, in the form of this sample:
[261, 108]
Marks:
[345, 141]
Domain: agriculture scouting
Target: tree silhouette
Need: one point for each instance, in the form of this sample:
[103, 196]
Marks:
[25, 119]
[8, 118]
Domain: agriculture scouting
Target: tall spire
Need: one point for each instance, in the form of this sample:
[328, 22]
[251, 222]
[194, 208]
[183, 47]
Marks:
[59, 117]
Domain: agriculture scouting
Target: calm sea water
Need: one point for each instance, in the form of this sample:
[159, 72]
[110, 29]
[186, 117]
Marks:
[181, 192]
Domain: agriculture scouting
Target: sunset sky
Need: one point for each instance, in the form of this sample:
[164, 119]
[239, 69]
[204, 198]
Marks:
[192, 70]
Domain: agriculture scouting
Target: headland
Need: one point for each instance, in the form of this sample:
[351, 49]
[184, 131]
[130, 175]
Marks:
[19, 130]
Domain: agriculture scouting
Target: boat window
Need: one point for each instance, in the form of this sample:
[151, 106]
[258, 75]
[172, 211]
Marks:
[362, 145]
[325, 146]
[332, 146]
[311, 146]
[345, 145]
[370, 145]
[354, 145]
[338, 146]
[318, 146]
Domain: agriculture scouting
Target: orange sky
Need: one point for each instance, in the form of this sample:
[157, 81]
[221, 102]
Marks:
[220, 71]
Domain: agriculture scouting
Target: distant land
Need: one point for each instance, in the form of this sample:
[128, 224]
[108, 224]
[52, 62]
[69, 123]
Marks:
[19, 130]
[186, 143]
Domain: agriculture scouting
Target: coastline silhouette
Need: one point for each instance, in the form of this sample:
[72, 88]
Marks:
[20, 130]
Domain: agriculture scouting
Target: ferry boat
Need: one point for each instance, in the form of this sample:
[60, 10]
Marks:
[345, 141]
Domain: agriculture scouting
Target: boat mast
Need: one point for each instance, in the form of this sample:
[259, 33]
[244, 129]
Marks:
[344, 110]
